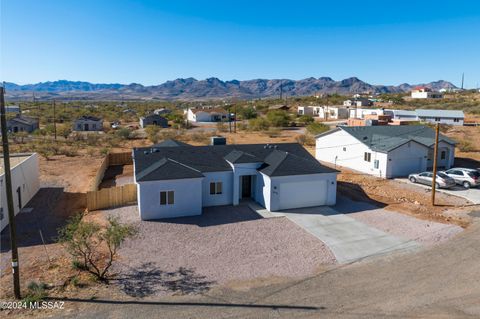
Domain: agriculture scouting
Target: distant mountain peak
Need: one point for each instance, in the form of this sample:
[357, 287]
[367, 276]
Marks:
[210, 88]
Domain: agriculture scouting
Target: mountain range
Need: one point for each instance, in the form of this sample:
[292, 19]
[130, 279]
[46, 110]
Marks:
[211, 88]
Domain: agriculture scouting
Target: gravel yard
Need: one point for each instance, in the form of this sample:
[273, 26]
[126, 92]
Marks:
[424, 232]
[224, 244]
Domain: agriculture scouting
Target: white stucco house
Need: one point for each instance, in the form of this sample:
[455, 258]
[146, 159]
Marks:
[425, 93]
[309, 110]
[25, 183]
[333, 112]
[450, 117]
[207, 115]
[358, 102]
[174, 179]
[384, 151]
[360, 113]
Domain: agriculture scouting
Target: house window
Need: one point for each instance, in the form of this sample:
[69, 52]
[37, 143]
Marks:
[456, 120]
[437, 119]
[94, 126]
[344, 149]
[367, 157]
[443, 155]
[167, 198]
[376, 164]
[216, 188]
[79, 126]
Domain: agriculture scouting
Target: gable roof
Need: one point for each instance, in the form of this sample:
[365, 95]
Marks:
[387, 138]
[165, 169]
[170, 142]
[440, 113]
[26, 120]
[88, 118]
[210, 110]
[277, 160]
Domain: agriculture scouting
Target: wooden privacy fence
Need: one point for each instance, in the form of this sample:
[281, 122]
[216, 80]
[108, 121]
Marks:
[111, 159]
[112, 197]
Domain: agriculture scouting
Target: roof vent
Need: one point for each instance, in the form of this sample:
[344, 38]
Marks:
[365, 138]
[275, 146]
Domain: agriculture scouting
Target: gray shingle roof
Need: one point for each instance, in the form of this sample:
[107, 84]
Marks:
[387, 138]
[166, 168]
[169, 143]
[280, 160]
[440, 113]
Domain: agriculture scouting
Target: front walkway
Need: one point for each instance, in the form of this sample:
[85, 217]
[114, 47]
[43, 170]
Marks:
[347, 238]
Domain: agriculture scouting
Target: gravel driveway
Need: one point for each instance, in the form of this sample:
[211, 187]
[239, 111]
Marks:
[227, 243]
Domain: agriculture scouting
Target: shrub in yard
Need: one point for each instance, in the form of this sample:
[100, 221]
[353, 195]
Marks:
[258, 124]
[317, 128]
[200, 138]
[222, 127]
[274, 132]
[123, 133]
[247, 113]
[242, 126]
[92, 246]
[64, 131]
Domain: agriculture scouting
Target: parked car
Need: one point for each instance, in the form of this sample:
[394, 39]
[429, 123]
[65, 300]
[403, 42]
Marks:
[466, 177]
[442, 180]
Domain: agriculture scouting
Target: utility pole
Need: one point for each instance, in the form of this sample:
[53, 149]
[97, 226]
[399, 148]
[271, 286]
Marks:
[281, 90]
[435, 154]
[235, 119]
[8, 188]
[463, 77]
[54, 120]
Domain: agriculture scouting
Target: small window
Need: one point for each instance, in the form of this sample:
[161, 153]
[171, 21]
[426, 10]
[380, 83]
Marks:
[167, 198]
[437, 119]
[1, 216]
[443, 155]
[367, 157]
[344, 149]
[376, 164]
[215, 188]
[456, 120]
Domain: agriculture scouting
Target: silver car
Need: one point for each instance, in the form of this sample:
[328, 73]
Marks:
[442, 180]
[466, 177]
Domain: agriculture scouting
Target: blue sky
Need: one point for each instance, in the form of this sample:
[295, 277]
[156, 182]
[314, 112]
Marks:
[149, 42]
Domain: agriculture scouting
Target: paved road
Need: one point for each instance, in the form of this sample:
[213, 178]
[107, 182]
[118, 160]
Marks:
[348, 238]
[441, 282]
[472, 194]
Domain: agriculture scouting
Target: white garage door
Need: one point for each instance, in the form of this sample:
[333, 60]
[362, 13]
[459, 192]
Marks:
[405, 166]
[302, 194]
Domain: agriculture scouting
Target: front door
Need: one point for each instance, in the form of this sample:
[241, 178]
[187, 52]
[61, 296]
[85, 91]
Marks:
[246, 186]
[85, 127]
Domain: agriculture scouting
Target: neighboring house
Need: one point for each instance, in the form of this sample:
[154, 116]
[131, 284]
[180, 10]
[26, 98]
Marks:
[309, 110]
[404, 115]
[451, 117]
[181, 180]
[25, 183]
[361, 113]
[162, 111]
[384, 151]
[425, 93]
[12, 109]
[358, 102]
[333, 112]
[153, 119]
[88, 123]
[207, 115]
[22, 123]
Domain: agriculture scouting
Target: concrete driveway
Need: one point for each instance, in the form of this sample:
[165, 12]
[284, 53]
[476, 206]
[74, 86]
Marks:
[472, 194]
[348, 238]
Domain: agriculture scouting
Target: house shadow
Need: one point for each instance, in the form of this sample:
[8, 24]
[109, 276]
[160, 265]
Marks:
[216, 215]
[148, 280]
[466, 162]
[45, 213]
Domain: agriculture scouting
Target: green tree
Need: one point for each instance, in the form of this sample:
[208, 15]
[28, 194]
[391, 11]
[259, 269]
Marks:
[258, 124]
[278, 118]
[92, 246]
[64, 131]
[305, 119]
[247, 113]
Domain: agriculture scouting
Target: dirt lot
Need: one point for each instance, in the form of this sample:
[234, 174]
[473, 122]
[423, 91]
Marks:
[117, 175]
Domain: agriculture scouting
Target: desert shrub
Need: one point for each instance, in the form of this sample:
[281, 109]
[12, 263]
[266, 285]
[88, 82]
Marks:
[305, 119]
[274, 132]
[35, 292]
[247, 113]
[317, 128]
[305, 139]
[93, 246]
[278, 118]
[64, 131]
[152, 133]
[123, 133]
[258, 124]
[242, 126]
[198, 137]
[465, 146]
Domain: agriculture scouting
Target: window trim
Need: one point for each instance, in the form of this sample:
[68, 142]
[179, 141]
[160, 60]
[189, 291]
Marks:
[216, 188]
[169, 197]
[367, 156]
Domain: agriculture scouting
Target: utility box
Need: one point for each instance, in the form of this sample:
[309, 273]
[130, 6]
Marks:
[218, 140]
